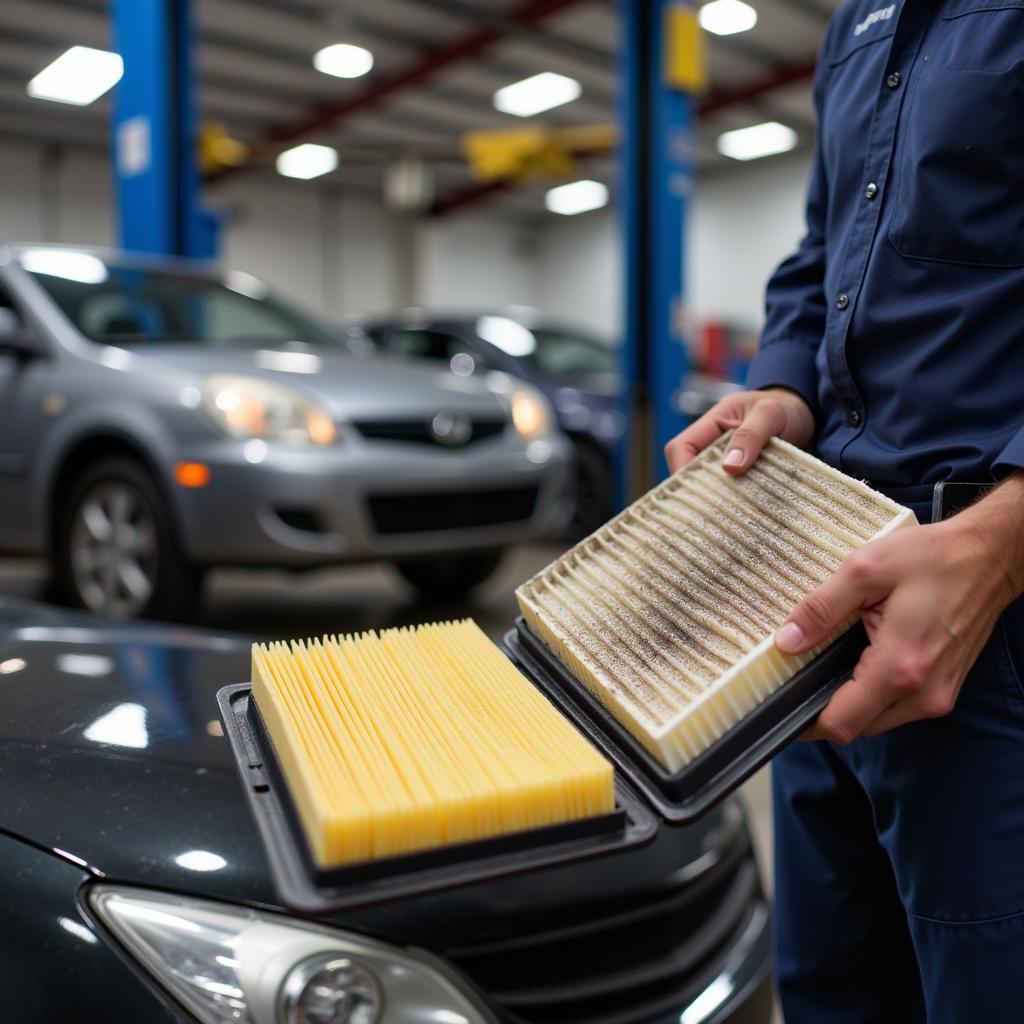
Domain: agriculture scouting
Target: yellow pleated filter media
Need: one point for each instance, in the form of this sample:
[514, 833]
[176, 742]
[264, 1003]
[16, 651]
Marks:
[667, 613]
[420, 737]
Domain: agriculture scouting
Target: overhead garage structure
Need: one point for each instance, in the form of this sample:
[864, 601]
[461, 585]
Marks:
[256, 78]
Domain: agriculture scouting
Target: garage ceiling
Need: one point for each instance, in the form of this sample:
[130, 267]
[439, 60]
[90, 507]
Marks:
[256, 77]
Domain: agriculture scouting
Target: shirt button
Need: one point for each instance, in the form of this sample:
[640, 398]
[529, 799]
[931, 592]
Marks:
[853, 418]
[871, 191]
[893, 81]
[843, 301]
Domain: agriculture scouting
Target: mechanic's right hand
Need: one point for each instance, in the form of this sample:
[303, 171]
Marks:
[753, 417]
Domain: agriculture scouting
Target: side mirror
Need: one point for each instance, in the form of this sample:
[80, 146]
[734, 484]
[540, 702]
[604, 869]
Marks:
[13, 336]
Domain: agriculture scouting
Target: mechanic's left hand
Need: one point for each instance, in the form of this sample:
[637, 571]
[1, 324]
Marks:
[930, 597]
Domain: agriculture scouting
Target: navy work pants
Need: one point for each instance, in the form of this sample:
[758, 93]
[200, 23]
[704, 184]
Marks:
[900, 863]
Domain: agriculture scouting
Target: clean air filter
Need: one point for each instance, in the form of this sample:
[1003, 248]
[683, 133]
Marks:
[667, 613]
[412, 739]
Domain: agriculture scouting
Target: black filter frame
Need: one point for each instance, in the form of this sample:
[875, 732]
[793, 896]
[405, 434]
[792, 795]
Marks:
[303, 886]
[685, 795]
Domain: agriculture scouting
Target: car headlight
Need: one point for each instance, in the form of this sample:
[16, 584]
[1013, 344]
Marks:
[531, 413]
[248, 408]
[231, 964]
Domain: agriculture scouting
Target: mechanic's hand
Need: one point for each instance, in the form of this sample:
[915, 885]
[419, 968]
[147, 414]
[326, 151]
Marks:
[753, 416]
[930, 597]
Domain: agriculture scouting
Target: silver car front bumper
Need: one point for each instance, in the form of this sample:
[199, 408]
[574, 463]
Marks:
[359, 501]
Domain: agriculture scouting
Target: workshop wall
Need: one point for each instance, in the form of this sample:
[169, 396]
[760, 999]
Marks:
[579, 273]
[344, 253]
[475, 263]
[743, 222]
[81, 189]
[20, 193]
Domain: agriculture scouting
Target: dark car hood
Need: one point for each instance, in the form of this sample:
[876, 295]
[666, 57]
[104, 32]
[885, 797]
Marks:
[111, 752]
[111, 748]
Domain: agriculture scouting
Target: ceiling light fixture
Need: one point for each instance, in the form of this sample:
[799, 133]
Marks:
[536, 94]
[577, 197]
[757, 141]
[307, 161]
[79, 76]
[727, 17]
[343, 60]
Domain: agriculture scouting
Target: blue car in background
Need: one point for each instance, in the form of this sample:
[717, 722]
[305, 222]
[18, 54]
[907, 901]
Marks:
[576, 370]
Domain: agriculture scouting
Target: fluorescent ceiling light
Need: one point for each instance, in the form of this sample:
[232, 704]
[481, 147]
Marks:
[343, 60]
[79, 76]
[757, 141]
[307, 161]
[727, 17]
[536, 94]
[577, 197]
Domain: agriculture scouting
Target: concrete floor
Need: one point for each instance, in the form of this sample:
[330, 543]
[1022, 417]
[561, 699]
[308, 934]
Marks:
[280, 606]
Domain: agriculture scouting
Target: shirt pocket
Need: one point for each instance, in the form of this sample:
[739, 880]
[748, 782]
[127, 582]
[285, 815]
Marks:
[960, 167]
[985, 35]
[854, 44]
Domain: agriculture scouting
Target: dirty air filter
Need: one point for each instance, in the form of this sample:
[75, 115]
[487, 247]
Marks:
[667, 613]
[418, 738]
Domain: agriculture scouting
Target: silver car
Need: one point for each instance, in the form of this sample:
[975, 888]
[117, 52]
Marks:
[157, 419]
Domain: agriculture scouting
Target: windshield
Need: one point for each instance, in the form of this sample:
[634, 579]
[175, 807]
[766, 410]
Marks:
[568, 354]
[553, 352]
[123, 305]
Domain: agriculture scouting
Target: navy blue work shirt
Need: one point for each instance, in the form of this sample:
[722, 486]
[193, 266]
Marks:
[900, 318]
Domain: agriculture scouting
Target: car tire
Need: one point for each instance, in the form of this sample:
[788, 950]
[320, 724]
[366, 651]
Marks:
[116, 550]
[594, 503]
[449, 577]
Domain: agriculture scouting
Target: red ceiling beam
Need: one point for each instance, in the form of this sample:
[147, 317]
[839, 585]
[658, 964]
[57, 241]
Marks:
[464, 48]
[711, 104]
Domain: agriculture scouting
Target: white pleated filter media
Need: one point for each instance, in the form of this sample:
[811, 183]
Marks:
[667, 613]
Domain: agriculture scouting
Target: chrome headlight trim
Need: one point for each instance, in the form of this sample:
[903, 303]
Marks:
[240, 958]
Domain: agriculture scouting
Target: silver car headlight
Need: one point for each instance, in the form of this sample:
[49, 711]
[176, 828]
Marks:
[249, 408]
[531, 413]
[231, 964]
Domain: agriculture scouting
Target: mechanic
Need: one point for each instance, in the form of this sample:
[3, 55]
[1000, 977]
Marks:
[894, 348]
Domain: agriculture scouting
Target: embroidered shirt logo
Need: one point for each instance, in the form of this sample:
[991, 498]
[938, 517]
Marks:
[882, 14]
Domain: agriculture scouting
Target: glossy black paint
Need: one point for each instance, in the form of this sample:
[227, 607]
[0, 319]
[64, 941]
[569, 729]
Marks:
[113, 761]
[55, 964]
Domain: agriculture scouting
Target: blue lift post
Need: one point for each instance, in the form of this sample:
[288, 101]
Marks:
[156, 173]
[661, 66]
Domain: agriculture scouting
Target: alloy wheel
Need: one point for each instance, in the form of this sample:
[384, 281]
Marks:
[114, 550]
